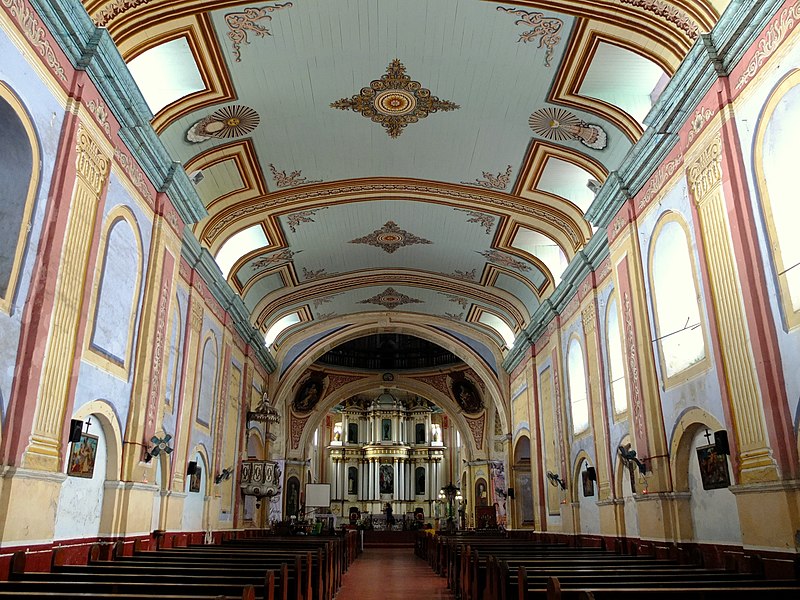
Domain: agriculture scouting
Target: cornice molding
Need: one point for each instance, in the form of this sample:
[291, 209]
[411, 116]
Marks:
[92, 50]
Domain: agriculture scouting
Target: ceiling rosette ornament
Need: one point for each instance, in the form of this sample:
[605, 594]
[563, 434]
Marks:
[225, 123]
[390, 237]
[394, 100]
[391, 298]
[560, 125]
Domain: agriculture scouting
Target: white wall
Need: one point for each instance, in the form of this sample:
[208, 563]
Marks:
[194, 505]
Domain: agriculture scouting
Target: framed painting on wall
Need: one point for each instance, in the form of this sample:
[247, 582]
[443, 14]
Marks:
[713, 468]
[194, 479]
[82, 456]
[588, 484]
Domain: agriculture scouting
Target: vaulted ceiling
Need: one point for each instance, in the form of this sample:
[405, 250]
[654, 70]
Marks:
[426, 156]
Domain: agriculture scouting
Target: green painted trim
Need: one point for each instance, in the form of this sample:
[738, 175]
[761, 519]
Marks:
[713, 56]
[91, 49]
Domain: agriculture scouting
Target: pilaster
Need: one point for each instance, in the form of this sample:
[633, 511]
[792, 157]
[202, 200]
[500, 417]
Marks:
[704, 175]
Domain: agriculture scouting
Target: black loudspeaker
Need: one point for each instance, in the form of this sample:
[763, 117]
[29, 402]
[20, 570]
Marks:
[75, 430]
[192, 468]
[591, 473]
[721, 442]
[511, 493]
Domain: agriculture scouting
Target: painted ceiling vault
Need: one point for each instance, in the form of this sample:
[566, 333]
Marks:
[435, 157]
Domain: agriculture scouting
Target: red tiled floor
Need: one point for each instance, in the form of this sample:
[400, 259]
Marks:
[392, 574]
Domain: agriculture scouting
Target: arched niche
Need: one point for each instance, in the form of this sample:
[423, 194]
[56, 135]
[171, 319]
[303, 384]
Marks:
[585, 494]
[523, 482]
[625, 490]
[197, 490]
[82, 511]
[698, 469]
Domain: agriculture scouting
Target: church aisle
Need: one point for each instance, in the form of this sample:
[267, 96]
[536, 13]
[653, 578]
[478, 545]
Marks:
[392, 574]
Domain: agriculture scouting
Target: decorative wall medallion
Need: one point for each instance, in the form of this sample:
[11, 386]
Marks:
[701, 117]
[390, 237]
[484, 220]
[283, 180]
[391, 298]
[278, 257]
[394, 100]
[499, 258]
[460, 300]
[98, 109]
[228, 122]
[242, 22]
[769, 42]
[307, 396]
[466, 395]
[560, 125]
[493, 182]
[294, 219]
[546, 29]
[669, 13]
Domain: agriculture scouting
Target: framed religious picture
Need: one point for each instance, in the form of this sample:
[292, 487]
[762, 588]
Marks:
[713, 468]
[386, 430]
[588, 484]
[82, 456]
[194, 479]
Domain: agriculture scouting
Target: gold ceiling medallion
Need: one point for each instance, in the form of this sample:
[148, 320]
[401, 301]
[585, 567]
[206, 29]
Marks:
[228, 122]
[546, 29]
[390, 237]
[394, 100]
[242, 22]
[492, 182]
[391, 298]
[283, 180]
[560, 125]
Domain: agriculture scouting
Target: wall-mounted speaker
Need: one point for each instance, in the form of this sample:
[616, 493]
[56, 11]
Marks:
[721, 442]
[191, 469]
[591, 473]
[511, 493]
[75, 429]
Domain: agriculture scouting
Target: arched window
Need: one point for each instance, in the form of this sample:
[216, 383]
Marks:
[19, 172]
[616, 359]
[174, 355]
[775, 163]
[116, 303]
[678, 326]
[576, 376]
[208, 382]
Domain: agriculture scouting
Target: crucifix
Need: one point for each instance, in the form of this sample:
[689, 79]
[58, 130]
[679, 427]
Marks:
[707, 435]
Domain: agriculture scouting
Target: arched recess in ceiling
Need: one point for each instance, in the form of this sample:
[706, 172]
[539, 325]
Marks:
[316, 418]
[422, 326]
[564, 224]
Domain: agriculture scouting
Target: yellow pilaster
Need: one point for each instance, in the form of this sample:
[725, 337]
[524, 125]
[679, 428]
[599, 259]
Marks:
[44, 449]
[197, 309]
[704, 175]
